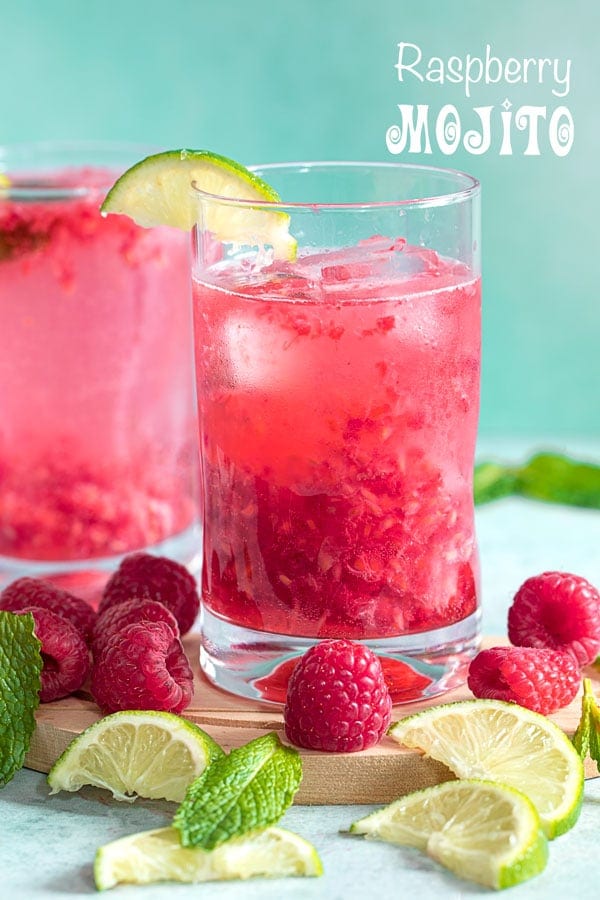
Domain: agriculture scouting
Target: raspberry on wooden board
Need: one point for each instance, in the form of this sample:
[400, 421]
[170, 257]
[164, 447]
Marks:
[540, 679]
[143, 666]
[35, 592]
[337, 698]
[148, 577]
[116, 617]
[65, 654]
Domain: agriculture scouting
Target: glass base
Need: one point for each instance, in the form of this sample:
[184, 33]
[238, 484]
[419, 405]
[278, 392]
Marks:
[86, 577]
[257, 664]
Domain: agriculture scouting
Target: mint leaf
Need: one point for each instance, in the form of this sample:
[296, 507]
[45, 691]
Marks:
[586, 739]
[20, 240]
[20, 670]
[581, 738]
[492, 481]
[250, 788]
[594, 749]
[549, 477]
[559, 479]
[594, 723]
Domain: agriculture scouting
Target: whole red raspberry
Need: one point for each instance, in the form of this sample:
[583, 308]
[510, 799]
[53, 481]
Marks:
[337, 698]
[558, 611]
[541, 680]
[143, 666]
[36, 592]
[116, 617]
[65, 654]
[148, 577]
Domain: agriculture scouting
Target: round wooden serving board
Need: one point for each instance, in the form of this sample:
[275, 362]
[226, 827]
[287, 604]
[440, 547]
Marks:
[378, 775]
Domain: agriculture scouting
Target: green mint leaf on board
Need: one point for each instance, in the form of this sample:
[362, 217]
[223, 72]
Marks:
[581, 738]
[587, 736]
[594, 719]
[20, 671]
[549, 477]
[594, 750]
[248, 789]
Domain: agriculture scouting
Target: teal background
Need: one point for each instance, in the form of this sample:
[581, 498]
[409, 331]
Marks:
[315, 79]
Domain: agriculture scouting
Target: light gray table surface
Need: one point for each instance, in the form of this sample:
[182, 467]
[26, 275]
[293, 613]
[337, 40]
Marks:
[47, 844]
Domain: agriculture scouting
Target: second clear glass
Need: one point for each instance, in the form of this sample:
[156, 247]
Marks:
[98, 440]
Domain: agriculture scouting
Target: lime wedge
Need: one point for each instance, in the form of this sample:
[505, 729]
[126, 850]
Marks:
[136, 754]
[507, 743]
[159, 191]
[483, 831]
[152, 856]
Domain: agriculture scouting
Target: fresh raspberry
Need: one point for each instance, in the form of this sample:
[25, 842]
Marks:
[35, 592]
[337, 699]
[143, 666]
[539, 679]
[116, 617]
[65, 654]
[559, 611]
[147, 577]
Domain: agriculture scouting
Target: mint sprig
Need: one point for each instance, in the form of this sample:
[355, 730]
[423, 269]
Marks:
[21, 240]
[549, 477]
[586, 739]
[248, 789]
[20, 671]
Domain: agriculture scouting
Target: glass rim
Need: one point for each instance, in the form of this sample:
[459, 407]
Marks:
[40, 152]
[470, 189]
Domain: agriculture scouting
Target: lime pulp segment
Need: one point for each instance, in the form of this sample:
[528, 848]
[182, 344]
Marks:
[136, 753]
[507, 743]
[152, 856]
[159, 190]
[482, 831]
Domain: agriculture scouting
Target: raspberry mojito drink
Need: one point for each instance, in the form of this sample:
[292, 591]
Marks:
[98, 430]
[338, 401]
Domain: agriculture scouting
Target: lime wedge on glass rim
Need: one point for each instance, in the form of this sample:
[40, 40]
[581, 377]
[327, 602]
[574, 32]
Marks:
[506, 743]
[136, 753]
[483, 831]
[159, 190]
[152, 856]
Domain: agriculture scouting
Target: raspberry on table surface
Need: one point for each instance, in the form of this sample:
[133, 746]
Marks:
[147, 577]
[143, 666]
[337, 698]
[36, 592]
[65, 654]
[559, 611]
[540, 679]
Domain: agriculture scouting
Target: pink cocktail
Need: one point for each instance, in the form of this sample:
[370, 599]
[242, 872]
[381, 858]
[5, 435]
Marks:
[97, 419]
[338, 398]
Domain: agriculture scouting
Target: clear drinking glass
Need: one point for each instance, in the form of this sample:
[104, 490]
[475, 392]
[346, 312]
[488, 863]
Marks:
[98, 433]
[338, 397]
